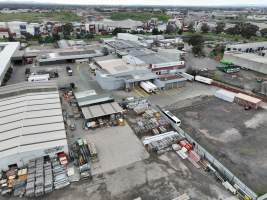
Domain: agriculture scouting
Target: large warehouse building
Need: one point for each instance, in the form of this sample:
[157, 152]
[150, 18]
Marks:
[250, 61]
[7, 50]
[116, 74]
[31, 123]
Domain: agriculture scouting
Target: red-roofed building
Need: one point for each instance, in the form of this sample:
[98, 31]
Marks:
[4, 33]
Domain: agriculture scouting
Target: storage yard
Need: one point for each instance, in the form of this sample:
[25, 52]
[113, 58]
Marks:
[235, 136]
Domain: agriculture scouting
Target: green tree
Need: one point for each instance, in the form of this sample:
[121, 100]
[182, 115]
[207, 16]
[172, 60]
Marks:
[246, 30]
[219, 27]
[263, 32]
[171, 28]
[191, 27]
[180, 31]
[55, 36]
[118, 30]
[67, 30]
[205, 28]
[197, 42]
[196, 39]
[89, 36]
[155, 31]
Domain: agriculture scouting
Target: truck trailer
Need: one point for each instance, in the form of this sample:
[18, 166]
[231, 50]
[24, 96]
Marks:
[39, 78]
[146, 87]
[153, 86]
[203, 79]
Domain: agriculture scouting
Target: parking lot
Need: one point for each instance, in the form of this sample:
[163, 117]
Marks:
[82, 78]
[235, 136]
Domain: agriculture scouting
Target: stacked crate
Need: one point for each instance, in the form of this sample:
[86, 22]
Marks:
[30, 186]
[48, 184]
[39, 177]
[60, 174]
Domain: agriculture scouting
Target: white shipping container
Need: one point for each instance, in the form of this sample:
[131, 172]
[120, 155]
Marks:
[203, 79]
[153, 86]
[187, 76]
[39, 78]
[146, 87]
[225, 95]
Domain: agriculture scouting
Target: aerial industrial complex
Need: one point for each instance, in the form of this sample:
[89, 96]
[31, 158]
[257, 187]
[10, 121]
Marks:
[132, 110]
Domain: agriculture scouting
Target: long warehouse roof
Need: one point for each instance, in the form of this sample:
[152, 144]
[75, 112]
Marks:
[30, 121]
[7, 50]
[26, 87]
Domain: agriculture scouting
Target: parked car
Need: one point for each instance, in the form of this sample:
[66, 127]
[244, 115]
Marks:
[69, 70]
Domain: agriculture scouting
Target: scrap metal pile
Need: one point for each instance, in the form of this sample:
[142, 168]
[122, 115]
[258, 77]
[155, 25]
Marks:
[151, 123]
[162, 142]
[83, 153]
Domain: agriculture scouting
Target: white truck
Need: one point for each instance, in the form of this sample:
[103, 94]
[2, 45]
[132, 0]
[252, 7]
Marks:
[146, 87]
[203, 79]
[153, 86]
[39, 78]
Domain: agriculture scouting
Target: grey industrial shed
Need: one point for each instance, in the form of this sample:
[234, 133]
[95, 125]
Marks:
[96, 111]
[31, 123]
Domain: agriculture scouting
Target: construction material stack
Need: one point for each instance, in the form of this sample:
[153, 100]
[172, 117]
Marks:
[61, 179]
[20, 183]
[48, 183]
[39, 177]
[30, 186]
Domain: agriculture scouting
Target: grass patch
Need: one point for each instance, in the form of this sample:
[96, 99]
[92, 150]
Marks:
[38, 17]
[139, 16]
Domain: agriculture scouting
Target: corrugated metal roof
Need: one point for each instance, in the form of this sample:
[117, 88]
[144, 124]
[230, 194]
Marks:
[30, 121]
[94, 99]
[101, 110]
[26, 87]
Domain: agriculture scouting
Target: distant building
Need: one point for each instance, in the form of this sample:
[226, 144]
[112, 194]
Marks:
[257, 17]
[17, 28]
[4, 33]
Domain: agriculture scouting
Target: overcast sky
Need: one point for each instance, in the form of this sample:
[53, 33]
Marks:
[153, 2]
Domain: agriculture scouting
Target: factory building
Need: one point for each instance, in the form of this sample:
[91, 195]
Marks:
[31, 123]
[7, 50]
[115, 73]
[250, 61]
[247, 47]
[161, 67]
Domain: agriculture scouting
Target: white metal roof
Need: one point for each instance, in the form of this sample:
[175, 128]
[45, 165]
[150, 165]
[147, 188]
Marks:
[9, 48]
[30, 121]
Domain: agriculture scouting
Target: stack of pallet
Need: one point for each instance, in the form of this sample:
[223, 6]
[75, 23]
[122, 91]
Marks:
[30, 186]
[39, 177]
[48, 183]
[93, 152]
[61, 179]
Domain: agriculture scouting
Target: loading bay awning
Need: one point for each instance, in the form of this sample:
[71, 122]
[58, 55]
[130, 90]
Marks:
[101, 110]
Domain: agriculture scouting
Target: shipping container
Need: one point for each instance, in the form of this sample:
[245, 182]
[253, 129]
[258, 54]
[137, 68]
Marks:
[203, 79]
